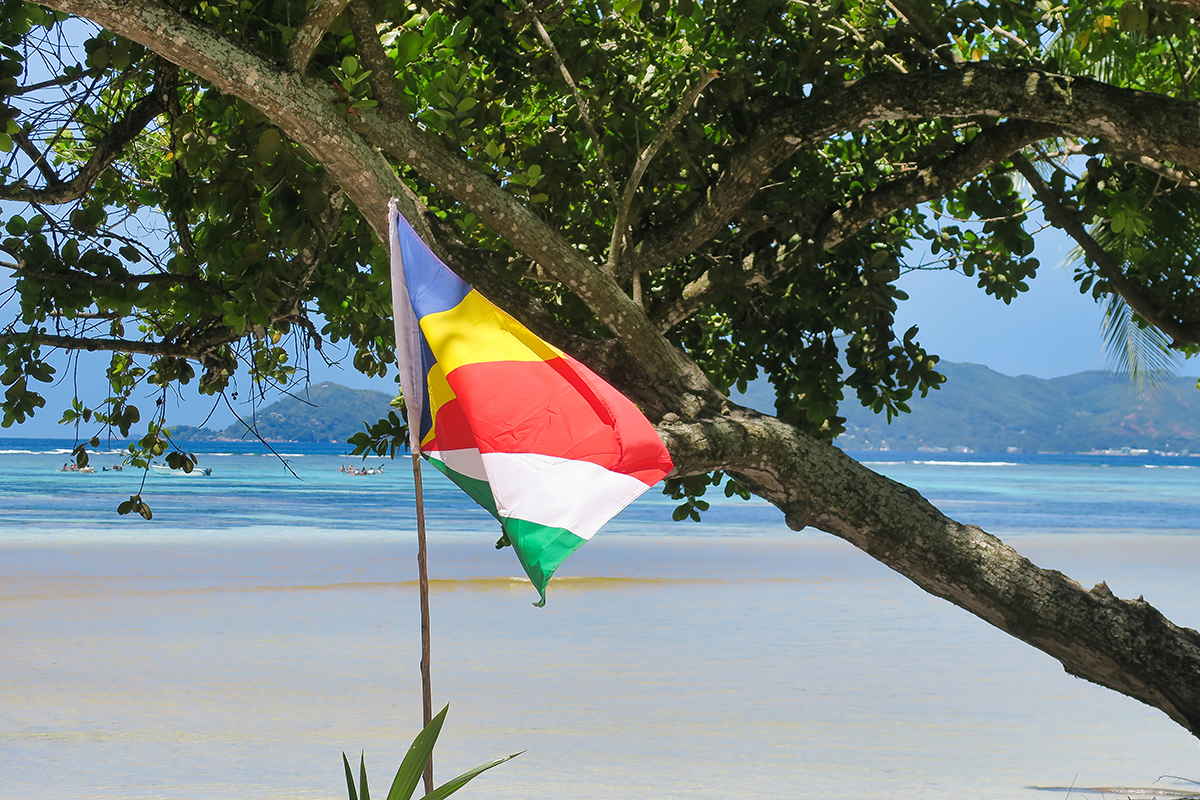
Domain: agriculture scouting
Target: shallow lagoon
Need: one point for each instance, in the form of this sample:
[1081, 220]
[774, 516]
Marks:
[259, 626]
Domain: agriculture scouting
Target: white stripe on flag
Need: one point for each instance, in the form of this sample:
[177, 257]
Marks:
[576, 495]
[465, 462]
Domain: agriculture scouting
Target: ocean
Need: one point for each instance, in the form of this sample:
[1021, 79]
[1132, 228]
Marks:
[262, 624]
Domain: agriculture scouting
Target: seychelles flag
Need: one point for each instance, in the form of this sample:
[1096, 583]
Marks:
[532, 435]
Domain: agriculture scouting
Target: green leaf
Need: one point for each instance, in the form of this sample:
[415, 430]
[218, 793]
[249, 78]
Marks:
[413, 765]
[451, 786]
[268, 144]
[362, 778]
[98, 58]
[349, 775]
[409, 47]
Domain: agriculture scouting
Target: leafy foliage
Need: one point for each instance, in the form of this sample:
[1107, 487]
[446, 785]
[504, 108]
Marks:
[411, 768]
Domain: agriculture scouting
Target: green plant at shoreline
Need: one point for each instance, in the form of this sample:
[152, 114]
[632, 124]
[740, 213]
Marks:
[411, 768]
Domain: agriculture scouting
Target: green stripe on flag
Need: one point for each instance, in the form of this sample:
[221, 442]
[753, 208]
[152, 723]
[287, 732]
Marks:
[541, 549]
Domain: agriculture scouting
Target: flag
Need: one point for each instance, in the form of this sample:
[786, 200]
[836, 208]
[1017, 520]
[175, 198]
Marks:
[532, 435]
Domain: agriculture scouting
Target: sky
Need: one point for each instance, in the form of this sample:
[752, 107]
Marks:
[1049, 331]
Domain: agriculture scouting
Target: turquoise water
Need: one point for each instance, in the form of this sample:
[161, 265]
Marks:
[260, 625]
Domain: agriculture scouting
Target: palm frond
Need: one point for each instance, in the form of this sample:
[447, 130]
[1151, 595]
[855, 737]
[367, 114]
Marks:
[1137, 351]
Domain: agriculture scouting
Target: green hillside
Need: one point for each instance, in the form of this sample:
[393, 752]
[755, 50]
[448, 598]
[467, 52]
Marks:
[981, 410]
[326, 412]
[976, 409]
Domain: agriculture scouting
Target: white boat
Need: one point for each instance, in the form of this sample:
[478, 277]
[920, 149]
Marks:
[163, 469]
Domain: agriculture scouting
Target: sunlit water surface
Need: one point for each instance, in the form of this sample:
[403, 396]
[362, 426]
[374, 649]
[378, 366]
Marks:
[259, 626]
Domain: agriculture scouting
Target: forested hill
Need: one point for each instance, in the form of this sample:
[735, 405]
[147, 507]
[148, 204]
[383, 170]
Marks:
[326, 412]
[977, 408]
[982, 410]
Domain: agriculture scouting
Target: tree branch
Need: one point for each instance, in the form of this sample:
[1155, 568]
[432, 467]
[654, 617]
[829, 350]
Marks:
[373, 56]
[301, 268]
[61, 80]
[1158, 168]
[617, 245]
[79, 278]
[912, 14]
[969, 159]
[38, 158]
[306, 38]
[148, 348]
[107, 150]
[1138, 122]
[1127, 646]
[580, 100]
[1108, 268]
[693, 296]
[965, 162]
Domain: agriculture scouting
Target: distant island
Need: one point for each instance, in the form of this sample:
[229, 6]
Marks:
[976, 410]
[980, 410]
[324, 412]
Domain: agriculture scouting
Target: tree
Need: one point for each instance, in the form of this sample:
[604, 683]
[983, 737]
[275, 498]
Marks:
[684, 195]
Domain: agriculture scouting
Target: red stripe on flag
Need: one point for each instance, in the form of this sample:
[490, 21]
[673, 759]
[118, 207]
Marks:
[554, 408]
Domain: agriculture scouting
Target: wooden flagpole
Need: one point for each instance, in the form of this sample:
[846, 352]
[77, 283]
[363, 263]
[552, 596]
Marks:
[423, 582]
[408, 351]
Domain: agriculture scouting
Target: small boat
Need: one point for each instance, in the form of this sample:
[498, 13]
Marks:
[163, 469]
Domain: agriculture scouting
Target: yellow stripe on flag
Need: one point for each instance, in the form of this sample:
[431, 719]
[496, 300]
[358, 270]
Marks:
[440, 393]
[475, 331]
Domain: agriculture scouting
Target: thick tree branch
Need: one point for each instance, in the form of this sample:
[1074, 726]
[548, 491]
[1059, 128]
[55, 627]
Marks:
[1142, 123]
[968, 160]
[306, 38]
[1126, 646]
[617, 246]
[1108, 267]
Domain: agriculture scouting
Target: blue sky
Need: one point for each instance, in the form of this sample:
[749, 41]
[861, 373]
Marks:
[1051, 330]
